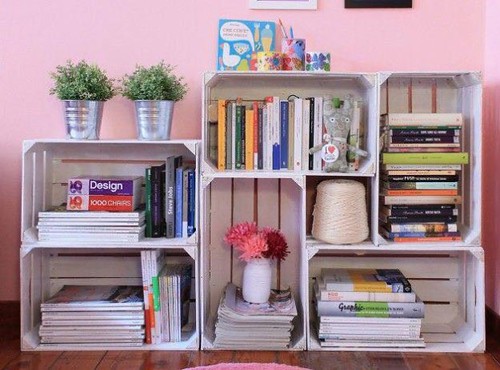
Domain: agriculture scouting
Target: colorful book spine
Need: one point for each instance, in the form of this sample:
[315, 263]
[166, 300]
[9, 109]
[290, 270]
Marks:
[420, 200]
[284, 134]
[221, 134]
[426, 185]
[261, 136]
[423, 132]
[249, 139]
[371, 309]
[429, 192]
[114, 203]
[437, 227]
[238, 139]
[191, 228]
[103, 186]
[170, 197]
[425, 158]
[256, 130]
[148, 233]
[229, 136]
[179, 176]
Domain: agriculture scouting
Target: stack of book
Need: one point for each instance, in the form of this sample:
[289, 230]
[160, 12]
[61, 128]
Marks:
[93, 316]
[60, 225]
[275, 133]
[254, 326]
[170, 199]
[167, 293]
[367, 308]
[420, 177]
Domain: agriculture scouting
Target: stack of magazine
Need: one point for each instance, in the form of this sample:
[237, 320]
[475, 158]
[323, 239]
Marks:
[59, 225]
[254, 326]
[93, 316]
[367, 308]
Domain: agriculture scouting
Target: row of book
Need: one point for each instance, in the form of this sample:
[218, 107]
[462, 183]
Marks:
[275, 133]
[367, 308]
[59, 225]
[167, 293]
[241, 324]
[420, 177]
[170, 199]
[93, 316]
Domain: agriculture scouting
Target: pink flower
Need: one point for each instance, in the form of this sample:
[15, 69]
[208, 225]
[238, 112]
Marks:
[254, 247]
[239, 234]
[252, 243]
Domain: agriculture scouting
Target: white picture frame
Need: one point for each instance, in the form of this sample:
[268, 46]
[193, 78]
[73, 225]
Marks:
[284, 4]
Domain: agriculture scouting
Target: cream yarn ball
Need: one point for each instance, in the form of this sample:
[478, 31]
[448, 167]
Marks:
[340, 215]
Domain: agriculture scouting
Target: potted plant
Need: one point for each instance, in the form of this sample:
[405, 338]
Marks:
[258, 247]
[83, 89]
[155, 90]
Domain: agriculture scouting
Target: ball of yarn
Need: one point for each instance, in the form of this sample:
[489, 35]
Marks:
[340, 215]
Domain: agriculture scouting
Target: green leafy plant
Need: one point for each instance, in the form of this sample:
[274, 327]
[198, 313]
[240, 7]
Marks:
[157, 82]
[82, 81]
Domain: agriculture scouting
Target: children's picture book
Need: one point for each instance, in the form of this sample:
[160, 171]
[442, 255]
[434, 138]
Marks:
[239, 39]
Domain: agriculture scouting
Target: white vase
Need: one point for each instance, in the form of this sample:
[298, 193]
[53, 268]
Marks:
[257, 280]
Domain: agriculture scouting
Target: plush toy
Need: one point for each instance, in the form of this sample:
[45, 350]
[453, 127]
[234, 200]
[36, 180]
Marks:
[337, 123]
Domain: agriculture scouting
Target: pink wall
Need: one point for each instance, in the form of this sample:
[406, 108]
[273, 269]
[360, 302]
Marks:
[491, 154]
[35, 36]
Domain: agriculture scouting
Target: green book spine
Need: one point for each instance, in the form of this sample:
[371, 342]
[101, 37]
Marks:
[156, 293]
[238, 138]
[425, 158]
[149, 221]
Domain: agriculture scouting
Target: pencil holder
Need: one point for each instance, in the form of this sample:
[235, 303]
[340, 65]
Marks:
[293, 54]
[317, 61]
[269, 61]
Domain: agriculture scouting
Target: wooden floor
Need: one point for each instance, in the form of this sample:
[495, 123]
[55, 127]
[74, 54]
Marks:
[11, 357]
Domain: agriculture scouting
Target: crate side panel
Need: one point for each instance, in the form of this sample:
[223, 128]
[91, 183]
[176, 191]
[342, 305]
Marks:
[422, 95]
[220, 255]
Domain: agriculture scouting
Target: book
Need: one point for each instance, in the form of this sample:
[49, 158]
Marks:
[191, 205]
[284, 124]
[424, 192]
[427, 239]
[424, 132]
[158, 200]
[179, 193]
[420, 167]
[425, 158]
[148, 199]
[221, 134]
[240, 39]
[427, 227]
[420, 210]
[105, 185]
[172, 163]
[112, 203]
[365, 280]
[229, 142]
[371, 309]
[323, 294]
[427, 199]
[420, 185]
[249, 139]
[424, 140]
[422, 119]
[417, 219]
[419, 178]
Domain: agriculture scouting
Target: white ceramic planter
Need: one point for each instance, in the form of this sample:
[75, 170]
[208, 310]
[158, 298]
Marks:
[257, 280]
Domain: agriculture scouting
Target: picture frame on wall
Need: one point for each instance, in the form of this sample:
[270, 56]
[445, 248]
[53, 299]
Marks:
[378, 3]
[284, 4]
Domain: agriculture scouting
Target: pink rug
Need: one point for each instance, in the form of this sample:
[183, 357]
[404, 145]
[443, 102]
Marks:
[247, 366]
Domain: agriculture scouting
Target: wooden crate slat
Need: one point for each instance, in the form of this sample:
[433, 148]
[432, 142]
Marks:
[422, 95]
[95, 266]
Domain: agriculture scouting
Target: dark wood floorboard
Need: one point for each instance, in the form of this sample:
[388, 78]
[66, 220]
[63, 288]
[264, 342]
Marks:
[12, 358]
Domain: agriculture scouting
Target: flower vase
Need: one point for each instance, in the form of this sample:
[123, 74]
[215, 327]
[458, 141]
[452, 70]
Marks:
[257, 276]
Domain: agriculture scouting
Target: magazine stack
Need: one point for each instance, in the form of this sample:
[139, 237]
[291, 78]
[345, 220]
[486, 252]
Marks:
[254, 326]
[93, 316]
[367, 308]
[420, 177]
[167, 303]
[60, 225]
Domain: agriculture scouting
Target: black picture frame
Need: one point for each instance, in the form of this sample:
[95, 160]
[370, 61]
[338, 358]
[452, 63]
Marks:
[353, 4]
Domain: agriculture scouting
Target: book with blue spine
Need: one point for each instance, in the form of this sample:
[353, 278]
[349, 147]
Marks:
[191, 202]
[178, 201]
[284, 133]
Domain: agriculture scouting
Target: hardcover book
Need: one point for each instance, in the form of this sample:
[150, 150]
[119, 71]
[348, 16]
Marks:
[240, 40]
[105, 185]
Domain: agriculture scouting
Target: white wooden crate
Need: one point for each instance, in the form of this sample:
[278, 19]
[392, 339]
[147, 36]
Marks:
[47, 165]
[449, 280]
[268, 201]
[445, 92]
[258, 85]
[44, 271]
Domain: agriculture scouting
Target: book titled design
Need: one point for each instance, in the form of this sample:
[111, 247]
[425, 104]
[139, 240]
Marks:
[104, 185]
[239, 39]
